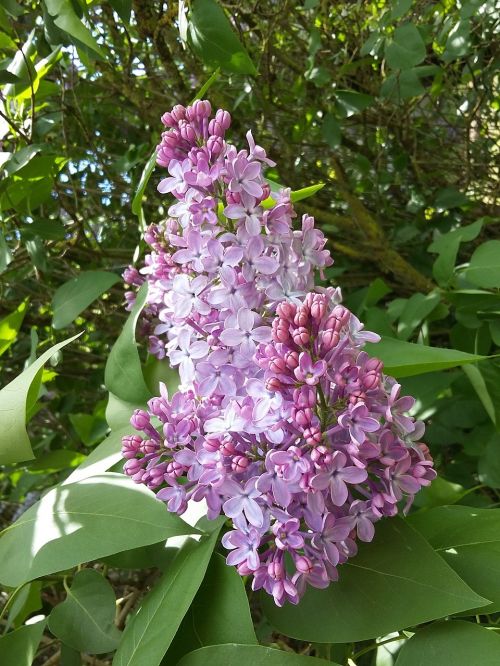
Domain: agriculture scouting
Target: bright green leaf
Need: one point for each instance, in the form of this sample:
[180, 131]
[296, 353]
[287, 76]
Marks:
[83, 521]
[74, 296]
[10, 325]
[14, 403]
[404, 359]
[417, 308]
[55, 461]
[85, 620]
[103, 457]
[122, 8]
[371, 597]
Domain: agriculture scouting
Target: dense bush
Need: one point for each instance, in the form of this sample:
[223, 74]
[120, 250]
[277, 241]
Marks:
[381, 117]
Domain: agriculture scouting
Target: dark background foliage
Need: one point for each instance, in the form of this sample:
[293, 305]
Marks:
[392, 105]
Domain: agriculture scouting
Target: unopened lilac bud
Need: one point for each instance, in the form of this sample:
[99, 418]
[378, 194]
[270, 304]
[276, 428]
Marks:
[175, 469]
[188, 133]
[215, 145]
[149, 446]
[211, 444]
[275, 570]
[228, 448]
[291, 360]
[374, 364]
[239, 464]
[342, 314]
[303, 417]
[280, 331]
[278, 365]
[303, 564]
[313, 436]
[224, 118]
[130, 445]
[318, 307]
[357, 396]
[301, 318]
[273, 384]
[301, 336]
[132, 466]
[286, 310]
[329, 339]
[140, 419]
[371, 380]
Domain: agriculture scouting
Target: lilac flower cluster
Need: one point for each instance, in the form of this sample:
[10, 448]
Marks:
[282, 422]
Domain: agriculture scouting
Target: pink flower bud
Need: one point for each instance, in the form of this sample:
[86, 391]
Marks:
[286, 310]
[239, 464]
[313, 436]
[301, 336]
[303, 564]
[291, 360]
[273, 384]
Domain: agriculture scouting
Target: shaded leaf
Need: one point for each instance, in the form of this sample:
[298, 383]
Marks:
[469, 540]
[484, 266]
[85, 619]
[19, 647]
[458, 643]
[407, 48]
[66, 19]
[10, 325]
[247, 655]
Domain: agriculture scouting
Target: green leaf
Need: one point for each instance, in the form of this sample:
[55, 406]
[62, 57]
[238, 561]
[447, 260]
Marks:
[212, 38]
[407, 48]
[405, 359]
[296, 195]
[67, 20]
[402, 85]
[85, 619]
[489, 463]
[155, 624]
[455, 643]
[20, 646]
[103, 457]
[74, 296]
[439, 493]
[10, 325]
[144, 180]
[353, 102]
[400, 8]
[469, 540]
[396, 581]
[90, 428]
[448, 198]
[123, 373]
[12, 7]
[417, 308]
[484, 266]
[458, 43]
[123, 8]
[485, 378]
[331, 131]
[47, 229]
[55, 461]
[219, 613]
[15, 444]
[83, 521]
[247, 655]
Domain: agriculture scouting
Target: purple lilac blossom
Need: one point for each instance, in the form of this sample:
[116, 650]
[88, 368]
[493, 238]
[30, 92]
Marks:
[282, 422]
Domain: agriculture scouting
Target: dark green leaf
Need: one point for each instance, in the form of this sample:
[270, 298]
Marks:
[123, 373]
[331, 130]
[83, 521]
[402, 85]
[489, 463]
[103, 457]
[247, 655]
[122, 8]
[85, 620]
[469, 540]
[371, 597]
[155, 624]
[213, 40]
[74, 296]
[448, 198]
[417, 308]
[15, 444]
[455, 643]
[353, 102]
